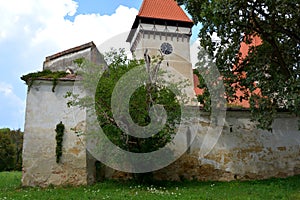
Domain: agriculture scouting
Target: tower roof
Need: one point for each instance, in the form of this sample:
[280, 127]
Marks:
[164, 12]
[163, 9]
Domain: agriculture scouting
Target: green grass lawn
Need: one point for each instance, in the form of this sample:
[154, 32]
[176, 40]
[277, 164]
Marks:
[10, 188]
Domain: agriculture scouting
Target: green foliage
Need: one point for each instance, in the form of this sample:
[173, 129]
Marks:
[11, 143]
[139, 111]
[17, 138]
[4, 130]
[283, 189]
[272, 67]
[7, 153]
[60, 128]
[140, 103]
[204, 98]
[31, 77]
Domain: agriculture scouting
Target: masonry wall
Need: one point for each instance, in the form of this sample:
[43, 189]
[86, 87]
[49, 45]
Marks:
[64, 60]
[44, 110]
[242, 152]
[146, 38]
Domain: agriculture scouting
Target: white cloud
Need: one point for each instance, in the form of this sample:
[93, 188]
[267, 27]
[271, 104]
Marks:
[30, 30]
[18, 15]
[85, 28]
[5, 89]
[38, 28]
[6, 92]
[43, 23]
[12, 109]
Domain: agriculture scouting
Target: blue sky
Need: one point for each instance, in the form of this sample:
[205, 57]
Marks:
[105, 7]
[30, 30]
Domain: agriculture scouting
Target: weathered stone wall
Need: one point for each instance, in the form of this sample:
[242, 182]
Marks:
[242, 152]
[65, 59]
[44, 110]
[146, 38]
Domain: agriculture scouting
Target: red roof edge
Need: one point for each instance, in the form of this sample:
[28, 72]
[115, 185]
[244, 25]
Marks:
[72, 50]
[163, 9]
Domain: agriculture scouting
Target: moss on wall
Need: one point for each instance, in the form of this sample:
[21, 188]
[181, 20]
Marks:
[31, 77]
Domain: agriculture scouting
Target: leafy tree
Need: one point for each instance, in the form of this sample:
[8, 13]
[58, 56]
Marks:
[7, 151]
[272, 67]
[17, 139]
[140, 104]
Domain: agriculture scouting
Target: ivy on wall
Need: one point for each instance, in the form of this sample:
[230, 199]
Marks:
[31, 77]
[60, 128]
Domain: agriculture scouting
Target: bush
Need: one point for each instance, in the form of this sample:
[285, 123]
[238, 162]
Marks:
[11, 143]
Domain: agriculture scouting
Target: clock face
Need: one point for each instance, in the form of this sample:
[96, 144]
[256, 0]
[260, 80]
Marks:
[166, 48]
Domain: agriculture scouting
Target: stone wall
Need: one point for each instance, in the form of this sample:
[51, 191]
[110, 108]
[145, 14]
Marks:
[65, 59]
[242, 152]
[44, 110]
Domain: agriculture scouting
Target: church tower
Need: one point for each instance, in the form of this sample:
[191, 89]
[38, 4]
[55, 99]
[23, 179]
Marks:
[163, 25]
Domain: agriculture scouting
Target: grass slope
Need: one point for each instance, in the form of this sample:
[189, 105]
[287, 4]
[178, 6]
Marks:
[10, 188]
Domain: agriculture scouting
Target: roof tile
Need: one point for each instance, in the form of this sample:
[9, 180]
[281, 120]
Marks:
[163, 9]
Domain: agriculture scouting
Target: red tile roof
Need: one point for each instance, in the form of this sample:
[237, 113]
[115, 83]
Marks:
[163, 9]
[160, 12]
